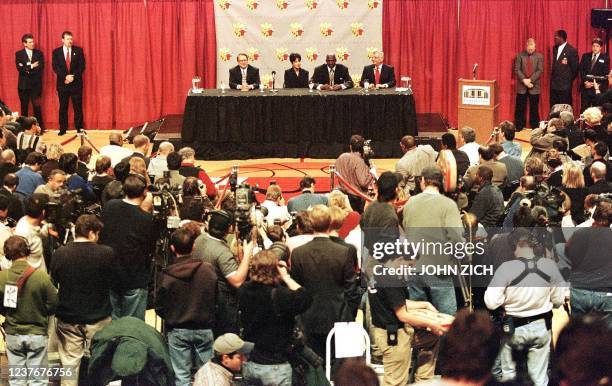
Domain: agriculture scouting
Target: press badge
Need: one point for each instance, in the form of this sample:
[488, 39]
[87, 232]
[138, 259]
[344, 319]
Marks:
[10, 295]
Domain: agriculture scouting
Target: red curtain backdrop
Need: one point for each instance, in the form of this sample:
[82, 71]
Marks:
[426, 40]
[140, 55]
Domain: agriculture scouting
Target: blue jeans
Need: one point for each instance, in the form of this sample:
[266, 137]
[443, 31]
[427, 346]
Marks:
[439, 291]
[585, 301]
[268, 375]
[132, 302]
[536, 339]
[189, 349]
[25, 352]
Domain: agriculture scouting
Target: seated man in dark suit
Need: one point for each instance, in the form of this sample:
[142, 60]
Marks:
[296, 76]
[331, 76]
[378, 75]
[15, 205]
[244, 77]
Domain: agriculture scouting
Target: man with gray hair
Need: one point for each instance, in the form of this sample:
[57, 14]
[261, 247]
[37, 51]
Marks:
[115, 150]
[470, 147]
[378, 75]
[528, 68]
[188, 169]
[159, 164]
[9, 162]
[415, 159]
[598, 174]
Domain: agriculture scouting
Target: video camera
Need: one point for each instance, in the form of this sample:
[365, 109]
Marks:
[246, 214]
[166, 202]
[64, 208]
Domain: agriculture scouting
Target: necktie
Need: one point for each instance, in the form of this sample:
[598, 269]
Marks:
[29, 55]
[593, 61]
[68, 59]
[529, 70]
[331, 77]
[377, 75]
[244, 77]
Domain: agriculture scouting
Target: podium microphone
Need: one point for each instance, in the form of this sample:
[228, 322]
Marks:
[273, 79]
[474, 70]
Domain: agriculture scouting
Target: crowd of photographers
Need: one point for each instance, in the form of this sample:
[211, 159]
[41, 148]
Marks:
[249, 291]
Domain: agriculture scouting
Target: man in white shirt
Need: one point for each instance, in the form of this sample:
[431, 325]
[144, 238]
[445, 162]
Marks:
[470, 147]
[277, 210]
[527, 288]
[159, 164]
[115, 150]
[30, 227]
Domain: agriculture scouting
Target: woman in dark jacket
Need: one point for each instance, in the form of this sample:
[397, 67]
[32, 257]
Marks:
[573, 186]
[296, 77]
[268, 311]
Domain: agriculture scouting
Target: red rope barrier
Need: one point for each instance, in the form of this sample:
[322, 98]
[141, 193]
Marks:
[221, 197]
[353, 189]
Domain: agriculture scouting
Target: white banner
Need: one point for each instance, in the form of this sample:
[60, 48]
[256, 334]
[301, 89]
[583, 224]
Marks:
[269, 30]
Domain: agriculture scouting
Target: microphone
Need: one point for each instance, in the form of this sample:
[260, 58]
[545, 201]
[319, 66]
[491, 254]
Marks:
[474, 70]
[273, 79]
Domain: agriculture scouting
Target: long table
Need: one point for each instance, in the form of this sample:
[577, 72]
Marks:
[295, 122]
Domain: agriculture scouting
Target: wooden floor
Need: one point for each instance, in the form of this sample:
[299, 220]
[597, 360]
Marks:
[219, 168]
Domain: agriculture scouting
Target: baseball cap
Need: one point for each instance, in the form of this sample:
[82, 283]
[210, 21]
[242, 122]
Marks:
[229, 343]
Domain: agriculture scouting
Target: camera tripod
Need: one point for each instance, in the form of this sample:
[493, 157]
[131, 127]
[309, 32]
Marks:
[82, 135]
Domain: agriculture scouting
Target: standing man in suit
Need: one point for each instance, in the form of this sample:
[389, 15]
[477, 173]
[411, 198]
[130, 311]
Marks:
[594, 63]
[331, 76]
[244, 77]
[69, 65]
[379, 75]
[564, 70]
[30, 64]
[528, 68]
[296, 76]
[327, 270]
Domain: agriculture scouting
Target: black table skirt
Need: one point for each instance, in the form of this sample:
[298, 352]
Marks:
[295, 123]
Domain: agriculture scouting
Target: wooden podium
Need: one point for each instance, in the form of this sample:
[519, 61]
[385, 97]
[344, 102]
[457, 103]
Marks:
[478, 102]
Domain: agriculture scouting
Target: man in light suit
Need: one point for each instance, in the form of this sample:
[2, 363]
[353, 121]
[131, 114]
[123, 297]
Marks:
[379, 75]
[69, 64]
[564, 70]
[30, 63]
[331, 76]
[594, 63]
[528, 68]
[244, 77]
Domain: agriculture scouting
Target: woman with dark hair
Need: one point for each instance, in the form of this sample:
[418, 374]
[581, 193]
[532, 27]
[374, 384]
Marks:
[268, 311]
[74, 182]
[195, 200]
[296, 77]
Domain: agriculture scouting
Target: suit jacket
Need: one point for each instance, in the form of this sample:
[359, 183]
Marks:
[563, 75]
[83, 170]
[387, 75]
[235, 77]
[600, 68]
[327, 270]
[29, 78]
[341, 75]
[520, 64]
[77, 67]
[296, 81]
[305, 201]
